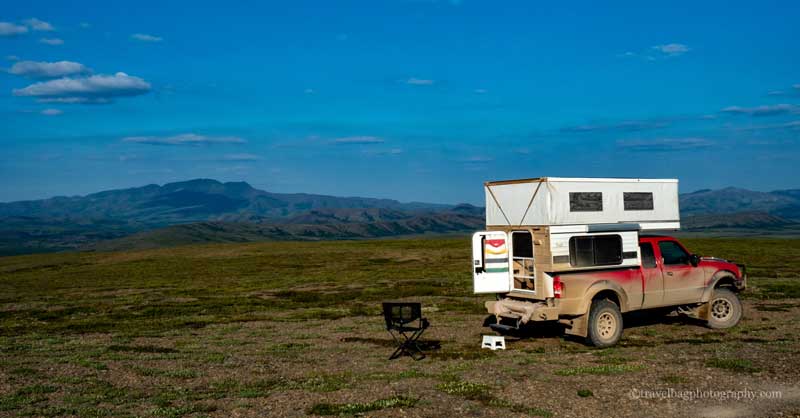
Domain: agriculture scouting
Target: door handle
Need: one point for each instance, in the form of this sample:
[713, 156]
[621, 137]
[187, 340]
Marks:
[669, 273]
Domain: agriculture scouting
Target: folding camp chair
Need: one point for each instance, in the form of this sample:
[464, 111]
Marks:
[405, 323]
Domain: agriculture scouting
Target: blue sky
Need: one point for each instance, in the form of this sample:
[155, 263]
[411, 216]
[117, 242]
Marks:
[407, 99]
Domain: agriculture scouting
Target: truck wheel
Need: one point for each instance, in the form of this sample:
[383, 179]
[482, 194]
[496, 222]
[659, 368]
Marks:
[724, 310]
[605, 324]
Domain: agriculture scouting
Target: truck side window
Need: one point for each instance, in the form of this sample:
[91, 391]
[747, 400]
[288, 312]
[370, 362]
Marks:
[673, 253]
[648, 257]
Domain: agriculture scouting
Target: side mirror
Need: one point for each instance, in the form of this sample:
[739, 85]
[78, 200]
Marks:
[694, 259]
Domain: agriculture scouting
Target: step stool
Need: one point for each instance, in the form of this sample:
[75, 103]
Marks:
[494, 342]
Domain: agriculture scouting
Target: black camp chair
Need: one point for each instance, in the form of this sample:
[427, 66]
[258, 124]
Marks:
[405, 323]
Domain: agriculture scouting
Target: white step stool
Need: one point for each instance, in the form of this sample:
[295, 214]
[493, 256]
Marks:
[494, 342]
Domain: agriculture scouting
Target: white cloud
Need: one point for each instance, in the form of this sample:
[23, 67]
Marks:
[657, 52]
[241, 157]
[481, 91]
[11, 29]
[672, 49]
[419, 81]
[184, 139]
[85, 25]
[51, 112]
[41, 69]
[52, 41]
[358, 140]
[93, 89]
[769, 110]
[144, 37]
[76, 100]
[38, 25]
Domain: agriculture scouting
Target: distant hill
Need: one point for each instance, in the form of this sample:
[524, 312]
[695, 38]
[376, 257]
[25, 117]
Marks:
[193, 201]
[747, 220]
[781, 203]
[204, 210]
[221, 232]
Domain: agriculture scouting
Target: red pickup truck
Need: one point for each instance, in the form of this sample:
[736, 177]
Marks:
[589, 302]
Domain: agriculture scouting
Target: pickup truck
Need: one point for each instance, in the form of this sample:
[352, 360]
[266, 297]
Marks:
[590, 302]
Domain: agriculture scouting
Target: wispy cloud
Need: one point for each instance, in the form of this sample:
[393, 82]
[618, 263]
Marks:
[11, 29]
[419, 81]
[41, 69]
[383, 152]
[38, 25]
[657, 52]
[789, 126]
[184, 139]
[664, 144]
[144, 37]
[673, 49]
[240, 157]
[758, 111]
[792, 91]
[358, 140]
[93, 89]
[479, 159]
[626, 126]
[52, 41]
[51, 112]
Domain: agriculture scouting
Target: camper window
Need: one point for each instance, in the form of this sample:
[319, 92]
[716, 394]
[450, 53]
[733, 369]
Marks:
[637, 201]
[595, 250]
[585, 202]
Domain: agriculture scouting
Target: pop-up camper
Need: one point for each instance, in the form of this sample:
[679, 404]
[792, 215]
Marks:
[571, 249]
[532, 221]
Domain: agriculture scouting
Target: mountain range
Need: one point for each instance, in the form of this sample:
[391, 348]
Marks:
[204, 210]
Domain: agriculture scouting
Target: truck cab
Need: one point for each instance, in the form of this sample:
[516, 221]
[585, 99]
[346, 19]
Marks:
[672, 275]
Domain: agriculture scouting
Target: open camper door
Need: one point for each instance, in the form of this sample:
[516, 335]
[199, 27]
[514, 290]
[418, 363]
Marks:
[490, 262]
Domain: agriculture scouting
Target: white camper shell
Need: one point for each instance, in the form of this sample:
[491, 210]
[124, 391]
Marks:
[544, 225]
[552, 201]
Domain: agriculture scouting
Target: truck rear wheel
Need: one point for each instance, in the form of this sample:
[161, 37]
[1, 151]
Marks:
[605, 324]
[724, 310]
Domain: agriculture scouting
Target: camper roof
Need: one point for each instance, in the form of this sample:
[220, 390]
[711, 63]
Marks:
[649, 204]
[580, 179]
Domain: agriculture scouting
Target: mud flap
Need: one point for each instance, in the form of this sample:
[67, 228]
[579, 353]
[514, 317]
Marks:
[578, 326]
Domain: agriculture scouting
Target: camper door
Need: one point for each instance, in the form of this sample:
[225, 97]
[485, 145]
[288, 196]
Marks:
[490, 256]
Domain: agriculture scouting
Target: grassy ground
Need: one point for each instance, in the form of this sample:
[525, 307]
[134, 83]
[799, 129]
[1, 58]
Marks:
[291, 329]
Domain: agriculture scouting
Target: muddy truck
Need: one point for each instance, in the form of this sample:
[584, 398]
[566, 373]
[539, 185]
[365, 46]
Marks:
[583, 251]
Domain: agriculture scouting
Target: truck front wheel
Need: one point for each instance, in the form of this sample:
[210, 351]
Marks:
[724, 309]
[605, 324]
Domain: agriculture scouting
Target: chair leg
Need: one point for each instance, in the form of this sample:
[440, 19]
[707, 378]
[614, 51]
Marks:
[408, 345]
[413, 342]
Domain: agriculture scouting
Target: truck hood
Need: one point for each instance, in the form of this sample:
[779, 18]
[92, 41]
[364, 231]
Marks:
[716, 263]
